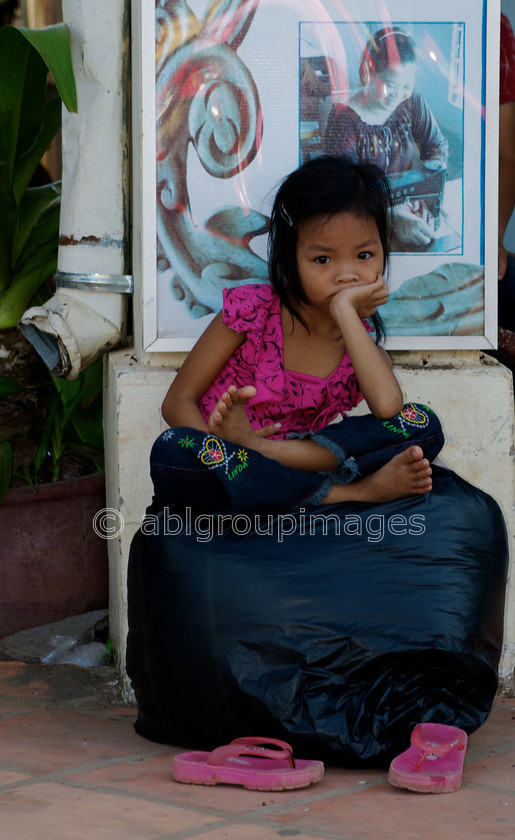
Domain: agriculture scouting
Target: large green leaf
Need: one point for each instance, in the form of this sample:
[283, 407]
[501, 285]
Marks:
[27, 122]
[89, 426]
[69, 390]
[8, 224]
[34, 96]
[27, 162]
[83, 395]
[80, 398]
[14, 57]
[35, 203]
[53, 45]
[27, 125]
[15, 300]
[42, 244]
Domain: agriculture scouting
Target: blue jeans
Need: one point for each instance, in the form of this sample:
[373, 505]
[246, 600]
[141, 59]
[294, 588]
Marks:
[194, 468]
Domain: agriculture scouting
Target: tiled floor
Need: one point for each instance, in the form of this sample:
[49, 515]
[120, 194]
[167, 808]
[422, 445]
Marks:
[72, 768]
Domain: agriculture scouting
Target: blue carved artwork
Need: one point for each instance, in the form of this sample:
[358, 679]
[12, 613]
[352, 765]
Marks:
[448, 300]
[205, 96]
[244, 92]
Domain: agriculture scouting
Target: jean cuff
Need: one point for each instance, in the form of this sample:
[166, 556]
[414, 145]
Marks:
[317, 498]
[346, 466]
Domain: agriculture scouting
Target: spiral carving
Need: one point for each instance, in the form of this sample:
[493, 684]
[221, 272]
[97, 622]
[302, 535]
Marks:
[212, 95]
[207, 97]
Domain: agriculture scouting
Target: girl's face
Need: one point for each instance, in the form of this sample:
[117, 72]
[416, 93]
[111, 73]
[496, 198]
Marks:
[390, 87]
[334, 251]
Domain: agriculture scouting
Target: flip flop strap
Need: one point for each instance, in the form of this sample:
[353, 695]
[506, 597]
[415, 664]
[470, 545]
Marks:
[455, 742]
[255, 740]
[259, 740]
[251, 748]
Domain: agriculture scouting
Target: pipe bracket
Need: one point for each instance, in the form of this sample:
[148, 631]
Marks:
[123, 284]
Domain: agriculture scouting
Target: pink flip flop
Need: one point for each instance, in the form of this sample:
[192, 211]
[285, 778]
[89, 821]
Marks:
[254, 762]
[434, 762]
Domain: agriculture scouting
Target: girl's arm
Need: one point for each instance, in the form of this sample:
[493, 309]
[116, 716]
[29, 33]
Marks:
[371, 363]
[212, 351]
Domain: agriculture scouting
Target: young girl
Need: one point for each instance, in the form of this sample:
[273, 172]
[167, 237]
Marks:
[387, 120]
[251, 409]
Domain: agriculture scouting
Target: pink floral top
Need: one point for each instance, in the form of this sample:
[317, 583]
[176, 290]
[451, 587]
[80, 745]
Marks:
[301, 402]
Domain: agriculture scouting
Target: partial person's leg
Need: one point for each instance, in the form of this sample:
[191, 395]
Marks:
[363, 444]
[198, 469]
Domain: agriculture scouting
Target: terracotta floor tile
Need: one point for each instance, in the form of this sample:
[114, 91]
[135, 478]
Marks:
[496, 770]
[499, 726]
[58, 812]
[43, 742]
[121, 712]
[60, 684]
[17, 680]
[503, 710]
[393, 814]
[66, 720]
[14, 706]
[245, 831]
[7, 777]
[153, 774]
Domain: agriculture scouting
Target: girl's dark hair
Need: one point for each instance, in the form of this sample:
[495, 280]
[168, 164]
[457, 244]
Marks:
[323, 186]
[386, 47]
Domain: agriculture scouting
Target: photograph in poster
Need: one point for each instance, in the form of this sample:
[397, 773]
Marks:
[245, 91]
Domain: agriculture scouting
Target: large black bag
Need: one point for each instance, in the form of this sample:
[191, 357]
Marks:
[338, 637]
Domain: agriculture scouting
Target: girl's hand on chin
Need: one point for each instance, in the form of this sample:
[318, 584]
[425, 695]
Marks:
[363, 297]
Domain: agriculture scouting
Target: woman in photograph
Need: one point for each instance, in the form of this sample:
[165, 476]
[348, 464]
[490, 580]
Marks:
[388, 123]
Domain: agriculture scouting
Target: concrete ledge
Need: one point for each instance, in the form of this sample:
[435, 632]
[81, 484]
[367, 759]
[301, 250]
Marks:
[33, 644]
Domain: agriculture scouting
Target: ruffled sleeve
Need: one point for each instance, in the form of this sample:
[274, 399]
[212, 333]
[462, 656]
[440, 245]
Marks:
[246, 307]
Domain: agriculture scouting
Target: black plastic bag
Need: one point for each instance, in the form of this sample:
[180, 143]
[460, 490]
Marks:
[338, 637]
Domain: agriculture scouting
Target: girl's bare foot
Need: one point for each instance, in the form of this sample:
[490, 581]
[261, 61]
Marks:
[408, 474]
[228, 419]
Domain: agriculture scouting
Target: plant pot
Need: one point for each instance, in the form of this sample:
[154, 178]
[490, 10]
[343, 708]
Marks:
[52, 563]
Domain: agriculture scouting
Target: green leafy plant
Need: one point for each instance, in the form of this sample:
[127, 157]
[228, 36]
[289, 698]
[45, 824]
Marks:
[62, 418]
[68, 429]
[29, 229]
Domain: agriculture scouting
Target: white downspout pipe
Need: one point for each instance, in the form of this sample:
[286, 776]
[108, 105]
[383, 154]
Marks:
[87, 314]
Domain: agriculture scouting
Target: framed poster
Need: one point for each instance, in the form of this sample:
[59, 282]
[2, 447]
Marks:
[235, 94]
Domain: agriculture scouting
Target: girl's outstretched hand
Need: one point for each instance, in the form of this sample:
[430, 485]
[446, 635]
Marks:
[363, 297]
